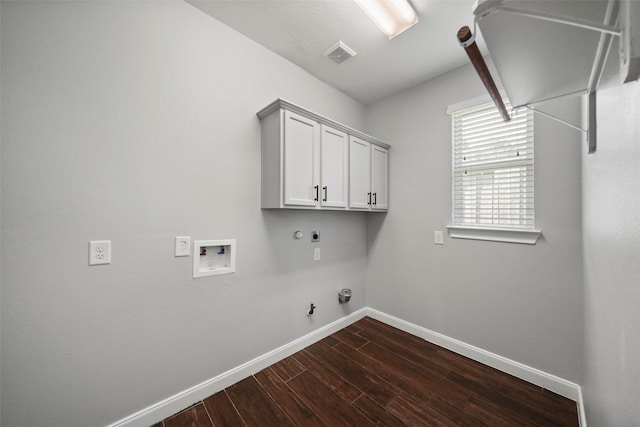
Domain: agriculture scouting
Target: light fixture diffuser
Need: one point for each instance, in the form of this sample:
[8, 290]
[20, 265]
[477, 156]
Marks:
[392, 17]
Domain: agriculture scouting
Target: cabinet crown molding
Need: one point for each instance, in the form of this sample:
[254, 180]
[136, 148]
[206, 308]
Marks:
[289, 106]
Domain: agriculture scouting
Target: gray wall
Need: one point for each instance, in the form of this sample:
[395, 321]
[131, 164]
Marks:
[611, 200]
[135, 122]
[522, 302]
[0, 215]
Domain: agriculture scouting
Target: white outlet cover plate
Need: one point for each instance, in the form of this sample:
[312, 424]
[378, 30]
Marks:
[99, 252]
[183, 246]
[438, 237]
[316, 254]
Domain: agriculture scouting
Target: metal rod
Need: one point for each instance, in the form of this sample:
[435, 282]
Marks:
[467, 41]
[551, 98]
[564, 122]
[576, 22]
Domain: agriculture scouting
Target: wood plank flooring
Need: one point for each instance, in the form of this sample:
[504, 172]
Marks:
[371, 374]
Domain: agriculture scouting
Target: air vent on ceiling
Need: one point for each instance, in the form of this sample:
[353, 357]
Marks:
[339, 53]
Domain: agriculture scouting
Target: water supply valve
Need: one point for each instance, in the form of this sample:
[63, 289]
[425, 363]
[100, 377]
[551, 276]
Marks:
[311, 308]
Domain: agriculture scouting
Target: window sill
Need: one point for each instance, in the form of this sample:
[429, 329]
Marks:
[528, 237]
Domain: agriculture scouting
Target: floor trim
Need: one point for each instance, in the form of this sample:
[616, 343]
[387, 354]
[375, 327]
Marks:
[161, 410]
[582, 416]
[186, 398]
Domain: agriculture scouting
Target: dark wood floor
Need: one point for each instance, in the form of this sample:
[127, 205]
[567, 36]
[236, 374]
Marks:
[372, 374]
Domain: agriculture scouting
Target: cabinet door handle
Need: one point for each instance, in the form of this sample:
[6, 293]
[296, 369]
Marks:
[316, 187]
[375, 199]
[369, 200]
[325, 193]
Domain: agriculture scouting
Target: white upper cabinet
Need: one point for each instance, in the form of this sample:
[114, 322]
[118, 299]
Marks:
[311, 162]
[334, 170]
[359, 174]
[301, 141]
[368, 176]
[379, 178]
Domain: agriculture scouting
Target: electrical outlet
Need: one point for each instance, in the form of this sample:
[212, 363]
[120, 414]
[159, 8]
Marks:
[316, 254]
[438, 237]
[99, 252]
[183, 246]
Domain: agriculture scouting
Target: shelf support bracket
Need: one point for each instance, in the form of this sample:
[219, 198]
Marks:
[591, 122]
[589, 133]
[557, 119]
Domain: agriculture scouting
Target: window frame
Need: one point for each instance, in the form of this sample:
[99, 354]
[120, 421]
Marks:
[495, 233]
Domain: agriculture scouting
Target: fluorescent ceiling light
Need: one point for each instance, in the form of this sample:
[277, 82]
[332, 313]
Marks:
[391, 16]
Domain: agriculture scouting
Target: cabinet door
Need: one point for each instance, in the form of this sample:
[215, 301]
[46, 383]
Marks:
[359, 174]
[379, 178]
[334, 161]
[300, 174]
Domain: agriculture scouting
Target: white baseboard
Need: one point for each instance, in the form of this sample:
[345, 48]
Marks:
[161, 410]
[582, 417]
[535, 376]
[186, 398]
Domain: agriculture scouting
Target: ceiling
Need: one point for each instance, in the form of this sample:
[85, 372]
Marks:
[302, 30]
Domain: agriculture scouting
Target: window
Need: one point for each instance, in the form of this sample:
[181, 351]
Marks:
[493, 173]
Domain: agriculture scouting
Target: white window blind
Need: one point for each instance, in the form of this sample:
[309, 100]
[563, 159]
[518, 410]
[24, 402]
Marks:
[493, 168]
